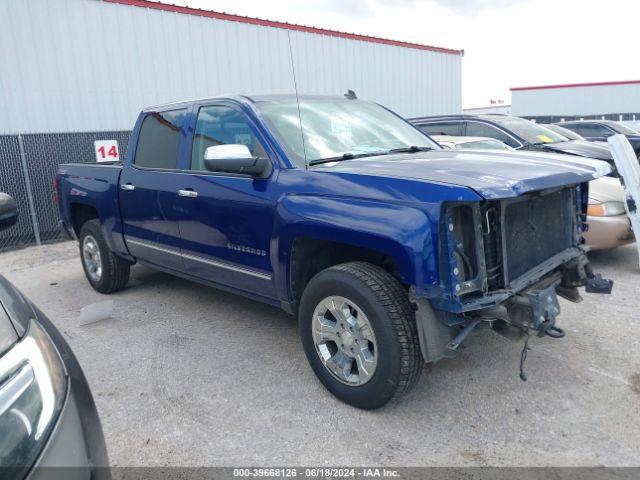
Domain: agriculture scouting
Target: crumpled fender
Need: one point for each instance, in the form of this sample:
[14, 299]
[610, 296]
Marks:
[397, 230]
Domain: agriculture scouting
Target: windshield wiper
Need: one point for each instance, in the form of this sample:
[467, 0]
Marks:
[411, 149]
[351, 156]
[344, 156]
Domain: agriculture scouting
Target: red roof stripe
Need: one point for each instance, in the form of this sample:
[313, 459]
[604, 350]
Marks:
[575, 85]
[288, 26]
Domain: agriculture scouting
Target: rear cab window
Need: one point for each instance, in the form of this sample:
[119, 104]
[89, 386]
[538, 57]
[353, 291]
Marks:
[159, 139]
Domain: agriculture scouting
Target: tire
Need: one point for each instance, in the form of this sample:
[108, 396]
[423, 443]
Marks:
[392, 360]
[113, 273]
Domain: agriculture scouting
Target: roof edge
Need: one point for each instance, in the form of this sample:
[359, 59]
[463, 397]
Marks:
[276, 24]
[502, 105]
[577, 85]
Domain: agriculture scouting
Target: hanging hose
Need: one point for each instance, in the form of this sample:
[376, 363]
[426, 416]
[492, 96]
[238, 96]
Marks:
[555, 332]
[523, 357]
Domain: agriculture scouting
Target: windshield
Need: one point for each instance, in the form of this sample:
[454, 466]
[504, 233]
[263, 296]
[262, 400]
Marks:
[633, 125]
[334, 127]
[570, 134]
[529, 131]
[623, 129]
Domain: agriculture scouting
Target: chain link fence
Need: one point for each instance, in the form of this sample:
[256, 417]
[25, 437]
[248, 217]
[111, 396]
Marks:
[29, 164]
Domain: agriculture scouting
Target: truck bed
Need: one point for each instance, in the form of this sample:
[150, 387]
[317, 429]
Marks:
[91, 189]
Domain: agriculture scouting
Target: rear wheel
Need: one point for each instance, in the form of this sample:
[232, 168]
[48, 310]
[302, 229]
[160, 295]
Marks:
[106, 272]
[359, 334]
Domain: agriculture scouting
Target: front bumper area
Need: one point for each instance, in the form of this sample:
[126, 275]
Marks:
[532, 309]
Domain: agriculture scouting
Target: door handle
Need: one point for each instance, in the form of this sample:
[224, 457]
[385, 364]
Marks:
[128, 187]
[188, 193]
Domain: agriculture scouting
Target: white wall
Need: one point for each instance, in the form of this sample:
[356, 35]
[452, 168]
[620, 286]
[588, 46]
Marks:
[592, 100]
[88, 65]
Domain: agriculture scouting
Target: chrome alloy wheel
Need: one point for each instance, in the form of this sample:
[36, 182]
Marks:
[91, 258]
[344, 340]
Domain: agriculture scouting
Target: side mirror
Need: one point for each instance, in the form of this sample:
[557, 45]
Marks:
[8, 211]
[235, 158]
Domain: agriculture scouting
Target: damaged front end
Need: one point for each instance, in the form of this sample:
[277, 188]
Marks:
[503, 264]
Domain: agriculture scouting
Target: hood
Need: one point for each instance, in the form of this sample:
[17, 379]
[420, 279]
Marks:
[491, 174]
[606, 189]
[15, 313]
[580, 148]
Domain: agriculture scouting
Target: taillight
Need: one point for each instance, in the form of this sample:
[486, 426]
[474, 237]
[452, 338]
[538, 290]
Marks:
[56, 194]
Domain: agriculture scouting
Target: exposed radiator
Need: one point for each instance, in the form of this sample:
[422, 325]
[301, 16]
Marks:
[535, 229]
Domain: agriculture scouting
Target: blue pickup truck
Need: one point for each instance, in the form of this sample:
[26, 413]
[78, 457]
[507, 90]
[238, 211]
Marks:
[389, 249]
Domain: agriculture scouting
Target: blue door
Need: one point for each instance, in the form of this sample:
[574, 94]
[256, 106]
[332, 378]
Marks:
[226, 221]
[148, 193]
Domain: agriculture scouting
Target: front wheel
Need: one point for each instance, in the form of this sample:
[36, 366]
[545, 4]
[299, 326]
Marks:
[359, 334]
[106, 272]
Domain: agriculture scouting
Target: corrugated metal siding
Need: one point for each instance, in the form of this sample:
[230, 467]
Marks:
[411, 82]
[575, 101]
[88, 65]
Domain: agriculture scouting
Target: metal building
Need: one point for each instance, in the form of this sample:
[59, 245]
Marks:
[76, 71]
[91, 65]
[608, 100]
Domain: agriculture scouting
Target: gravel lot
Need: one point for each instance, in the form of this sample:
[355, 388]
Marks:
[187, 375]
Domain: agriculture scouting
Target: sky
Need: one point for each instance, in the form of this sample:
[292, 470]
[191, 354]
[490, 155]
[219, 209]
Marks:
[507, 43]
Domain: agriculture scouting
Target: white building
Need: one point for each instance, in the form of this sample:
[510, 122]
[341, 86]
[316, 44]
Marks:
[608, 100]
[92, 65]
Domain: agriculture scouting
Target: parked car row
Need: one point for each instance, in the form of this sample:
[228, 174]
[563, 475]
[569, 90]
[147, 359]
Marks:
[600, 130]
[609, 225]
[518, 133]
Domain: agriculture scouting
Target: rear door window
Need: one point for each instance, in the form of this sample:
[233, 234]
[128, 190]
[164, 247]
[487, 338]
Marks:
[440, 128]
[574, 127]
[159, 139]
[594, 130]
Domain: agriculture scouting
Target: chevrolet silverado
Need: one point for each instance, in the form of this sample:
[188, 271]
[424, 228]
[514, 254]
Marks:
[389, 249]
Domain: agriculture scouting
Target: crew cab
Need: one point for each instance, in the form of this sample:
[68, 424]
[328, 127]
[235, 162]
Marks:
[389, 249]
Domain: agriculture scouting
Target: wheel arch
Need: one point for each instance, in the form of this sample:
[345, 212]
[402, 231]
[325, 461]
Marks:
[80, 213]
[317, 233]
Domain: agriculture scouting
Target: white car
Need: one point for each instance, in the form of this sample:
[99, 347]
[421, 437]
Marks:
[633, 124]
[609, 225]
[469, 143]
